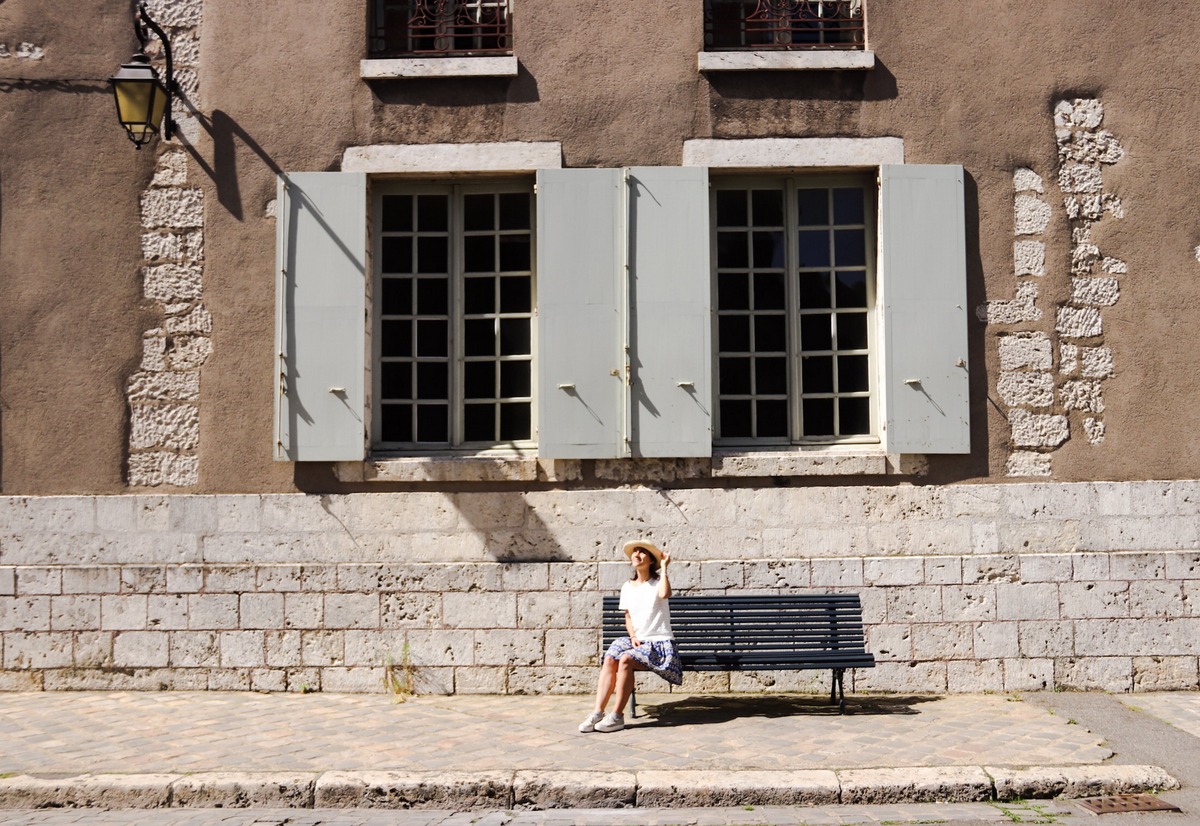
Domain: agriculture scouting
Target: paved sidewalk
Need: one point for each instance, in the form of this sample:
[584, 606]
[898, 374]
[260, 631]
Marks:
[321, 750]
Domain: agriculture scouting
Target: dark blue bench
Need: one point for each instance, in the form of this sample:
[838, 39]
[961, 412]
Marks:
[787, 632]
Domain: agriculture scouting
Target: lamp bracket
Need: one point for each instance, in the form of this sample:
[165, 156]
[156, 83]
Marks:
[141, 22]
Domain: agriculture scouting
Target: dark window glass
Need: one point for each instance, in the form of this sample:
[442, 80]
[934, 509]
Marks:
[431, 338]
[397, 380]
[478, 212]
[813, 207]
[735, 418]
[480, 337]
[815, 333]
[848, 206]
[514, 210]
[479, 422]
[397, 338]
[514, 253]
[515, 379]
[814, 291]
[479, 253]
[432, 380]
[850, 247]
[852, 331]
[397, 296]
[433, 255]
[732, 251]
[433, 296]
[818, 417]
[735, 376]
[514, 421]
[851, 289]
[768, 250]
[769, 292]
[733, 332]
[397, 213]
[772, 418]
[432, 425]
[768, 207]
[816, 374]
[433, 213]
[770, 333]
[397, 254]
[731, 208]
[814, 249]
[479, 295]
[853, 374]
[770, 376]
[733, 292]
[514, 336]
[515, 295]
[479, 380]
[397, 423]
[854, 416]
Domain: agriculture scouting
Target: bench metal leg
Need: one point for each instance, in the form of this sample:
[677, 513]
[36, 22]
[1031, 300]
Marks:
[837, 691]
[633, 700]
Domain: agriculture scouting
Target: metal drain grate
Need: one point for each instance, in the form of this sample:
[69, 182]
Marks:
[1113, 803]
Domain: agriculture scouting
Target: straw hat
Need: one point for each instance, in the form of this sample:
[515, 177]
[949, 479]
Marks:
[650, 547]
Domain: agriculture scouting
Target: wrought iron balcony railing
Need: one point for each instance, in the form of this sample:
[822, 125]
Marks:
[434, 28]
[783, 24]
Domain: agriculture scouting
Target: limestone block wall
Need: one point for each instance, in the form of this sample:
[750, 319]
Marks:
[965, 588]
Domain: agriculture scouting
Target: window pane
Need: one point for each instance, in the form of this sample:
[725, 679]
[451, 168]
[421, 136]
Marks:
[768, 250]
[479, 423]
[397, 213]
[772, 418]
[515, 379]
[514, 253]
[733, 334]
[768, 207]
[431, 338]
[812, 207]
[731, 208]
[818, 417]
[851, 289]
[478, 212]
[852, 331]
[479, 295]
[397, 254]
[850, 248]
[432, 425]
[480, 337]
[816, 332]
[854, 416]
[770, 333]
[397, 423]
[397, 338]
[514, 337]
[848, 206]
[816, 373]
[432, 381]
[814, 249]
[852, 374]
[433, 254]
[733, 292]
[479, 253]
[433, 213]
[732, 251]
[814, 291]
[514, 210]
[397, 296]
[433, 296]
[515, 294]
[515, 422]
[396, 380]
[770, 376]
[735, 376]
[735, 418]
[769, 292]
[479, 380]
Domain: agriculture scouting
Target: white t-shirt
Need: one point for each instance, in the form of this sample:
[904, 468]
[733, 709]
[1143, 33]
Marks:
[650, 615]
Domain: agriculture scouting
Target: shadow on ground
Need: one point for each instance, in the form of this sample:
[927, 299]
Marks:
[699, 710]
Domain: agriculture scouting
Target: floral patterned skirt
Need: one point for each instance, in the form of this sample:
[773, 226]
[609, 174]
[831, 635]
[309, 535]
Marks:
[659, 657]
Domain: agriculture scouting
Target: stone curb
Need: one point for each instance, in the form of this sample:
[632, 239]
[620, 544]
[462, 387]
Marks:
[574, 789]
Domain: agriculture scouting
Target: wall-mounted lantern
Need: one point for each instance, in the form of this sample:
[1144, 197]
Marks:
[143, 100]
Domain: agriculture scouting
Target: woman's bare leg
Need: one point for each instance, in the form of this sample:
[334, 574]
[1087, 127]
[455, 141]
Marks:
[625, 670]
[608, 679]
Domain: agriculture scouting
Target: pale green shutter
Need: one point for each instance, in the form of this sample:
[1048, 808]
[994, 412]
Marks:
[320, 323]
[924, 289]
[670, 305]
[580, 254]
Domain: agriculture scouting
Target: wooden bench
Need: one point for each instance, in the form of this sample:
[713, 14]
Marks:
[789, 632]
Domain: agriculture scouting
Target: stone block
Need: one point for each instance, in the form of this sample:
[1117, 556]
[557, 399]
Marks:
[1025, 180]
[995, 640]
[585, 610]
[953, 784]
[1183, 565]
[1025, 351]
[480, 681]
[479, 610]
[193, 514]
[319, 578]
[303, 610]
[164, 386]
[373, 648]
[892, 641]
[1076, 177]
[90, 791]
[441, 647]
[90, 580]
[573, 576]
[1027, 601]
[1045, 567]
[978, 570]
[574, 789]
[75, 613]
[172, 208]
[411, 610]
[260, 610]
[197, 321]
[62, 514]
[1157, 599]
[1099, 291]
[921, 603]
[268, 680]
[187, 352]
[194, 649]
[141, 649]
[543, 610]
[33, 580]
[171, 426]
[456, 791]
[975, 677]
[1031, 215]
[1091, 567]
[571, 647]
[721, 575]
[322, 648]
[837, 573]
[903, 677]
[353, 680]
[1037, 429]
[1036, 782]
[778, 573]
[242, 649]
[969, 602]
[1092, 600]
[159, 468]
[1029, 258]
[277, 578]
[1165, 674]
[1041, 639]
[1023, 463]
[509, 647]
[1026, 389]
[8, 582]
[239, 513]
[123, 613]
[212, 611]
[525, 576]
[881, 571]
[942, 641]
[303, 680]
[943, 570]
[777, 682]
[92, 649]
[539, 680]
[1094, 673]
[351, 611]
[19, 681]
[1028, 674]
[143, 579]
[37, 650]
[184, 579]
[226, 679]
[282, 648]
[1082, 395]
[172, 282]
[661, 789]
[1078, 322]
[244, 790]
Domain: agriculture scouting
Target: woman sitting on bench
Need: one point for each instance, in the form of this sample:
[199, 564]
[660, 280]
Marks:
[650, 645]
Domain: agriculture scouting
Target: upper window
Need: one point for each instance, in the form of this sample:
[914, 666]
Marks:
[783, 24]
[795, 298]
[454, 316]
[431, 28]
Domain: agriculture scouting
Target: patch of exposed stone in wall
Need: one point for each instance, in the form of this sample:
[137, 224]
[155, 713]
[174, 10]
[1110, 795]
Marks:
[23, 51]
[1084, 149]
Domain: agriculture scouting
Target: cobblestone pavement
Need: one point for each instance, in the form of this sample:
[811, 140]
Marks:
[1060, 812]
[133, 732]
[1181, 710]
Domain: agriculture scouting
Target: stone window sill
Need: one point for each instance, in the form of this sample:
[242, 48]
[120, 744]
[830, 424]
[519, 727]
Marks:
[857, 460]
[777, 61]
[411, 67]
[490, 467]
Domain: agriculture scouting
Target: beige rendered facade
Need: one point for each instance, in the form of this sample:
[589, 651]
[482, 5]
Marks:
[896, 297]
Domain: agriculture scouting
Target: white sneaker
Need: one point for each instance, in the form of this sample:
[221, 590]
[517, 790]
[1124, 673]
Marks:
[589, 723]
[611, 722]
